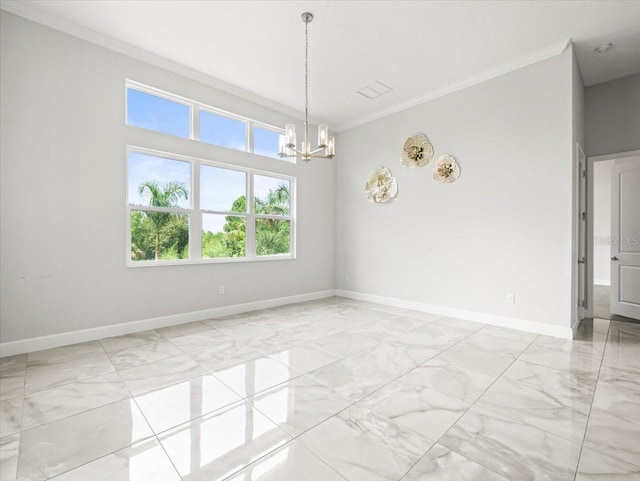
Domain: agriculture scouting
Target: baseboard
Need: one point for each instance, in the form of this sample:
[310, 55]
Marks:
[64, 339]
[574, 327]
[601, 282]
[491, 319]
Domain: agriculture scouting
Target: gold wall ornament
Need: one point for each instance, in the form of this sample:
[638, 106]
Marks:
[446, 170]
[381, 186]
[417, 151]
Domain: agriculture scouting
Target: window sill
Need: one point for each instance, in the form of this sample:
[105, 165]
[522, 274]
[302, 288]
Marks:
[223, 260]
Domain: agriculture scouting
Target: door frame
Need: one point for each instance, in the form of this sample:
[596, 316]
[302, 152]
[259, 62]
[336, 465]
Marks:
[588, 312]
[582, 295]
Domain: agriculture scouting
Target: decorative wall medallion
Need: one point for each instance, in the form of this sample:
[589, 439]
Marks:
[381, 186]
[417, 151]
[446, 170]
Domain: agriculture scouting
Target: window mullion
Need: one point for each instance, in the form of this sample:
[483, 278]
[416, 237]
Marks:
[195, 122]
[251, 223]
[195, 225]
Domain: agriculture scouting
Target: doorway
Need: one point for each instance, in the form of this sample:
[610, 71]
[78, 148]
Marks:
[602, 238]
[612, 280]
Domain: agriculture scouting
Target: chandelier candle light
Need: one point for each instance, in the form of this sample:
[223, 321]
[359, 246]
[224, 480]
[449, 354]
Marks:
[326, 143]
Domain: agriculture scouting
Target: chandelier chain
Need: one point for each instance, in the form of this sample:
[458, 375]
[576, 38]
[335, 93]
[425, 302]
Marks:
[306, 82]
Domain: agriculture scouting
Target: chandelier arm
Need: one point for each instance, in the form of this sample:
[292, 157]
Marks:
[319, 149]
[301, 155]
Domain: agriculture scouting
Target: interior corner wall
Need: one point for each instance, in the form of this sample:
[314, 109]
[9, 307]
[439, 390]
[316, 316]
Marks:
[578, 139]
[63, 213]
[505, 226]
[613, 116]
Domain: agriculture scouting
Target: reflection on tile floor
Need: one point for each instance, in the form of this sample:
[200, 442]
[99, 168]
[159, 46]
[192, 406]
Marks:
[327, 390]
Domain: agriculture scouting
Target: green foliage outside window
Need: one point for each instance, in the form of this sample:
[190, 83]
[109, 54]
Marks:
[231, 242]
[165, 236]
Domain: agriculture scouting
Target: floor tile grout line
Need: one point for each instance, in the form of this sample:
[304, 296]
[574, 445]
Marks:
[437, 441]
[243, 401]
[131, 397]
[155, 435]
[378, 343]
[350, 405]
[213, 373]
[116, 371]
[104, 455]
[595, 389]
[522, 384]
[29, 393]
[130, 335]
[382, 387]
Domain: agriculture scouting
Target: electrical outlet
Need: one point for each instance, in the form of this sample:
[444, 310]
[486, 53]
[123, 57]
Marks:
[221, 290]
[511, 298]
[346, 277]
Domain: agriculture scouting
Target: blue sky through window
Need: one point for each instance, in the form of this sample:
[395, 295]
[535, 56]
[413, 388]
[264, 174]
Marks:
[155, 113]
[213, 222]
[265, 142]
[219, 187]
[146, 168]
[223, 131]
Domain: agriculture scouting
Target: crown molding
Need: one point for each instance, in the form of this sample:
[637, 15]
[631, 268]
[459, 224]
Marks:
[524, 61]
[24, 10]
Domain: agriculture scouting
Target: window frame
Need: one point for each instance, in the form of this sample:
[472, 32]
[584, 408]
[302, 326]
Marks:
[278, 131]
[195, 213]
[290, 217]
[194, 119]
[160, 94]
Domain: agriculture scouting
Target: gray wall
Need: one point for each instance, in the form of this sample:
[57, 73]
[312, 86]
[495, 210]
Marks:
[504, 227]
[613, 116]
[63, 217]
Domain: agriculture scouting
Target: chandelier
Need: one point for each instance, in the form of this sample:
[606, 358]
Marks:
[326, 144]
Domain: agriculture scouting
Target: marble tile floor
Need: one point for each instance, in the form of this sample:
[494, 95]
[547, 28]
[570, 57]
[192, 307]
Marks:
[329, 390]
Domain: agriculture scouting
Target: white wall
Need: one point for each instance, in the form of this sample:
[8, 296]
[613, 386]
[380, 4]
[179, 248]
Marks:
[504, 227]
[602, 222]
[63, 218]
[578, 138]
[613, 116]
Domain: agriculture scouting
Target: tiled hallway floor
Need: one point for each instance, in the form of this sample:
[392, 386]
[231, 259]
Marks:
[327, 390]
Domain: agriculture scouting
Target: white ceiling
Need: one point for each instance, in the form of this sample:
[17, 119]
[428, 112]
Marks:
[418, 48]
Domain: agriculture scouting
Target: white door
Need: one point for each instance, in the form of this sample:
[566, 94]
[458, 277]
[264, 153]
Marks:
[625, 238]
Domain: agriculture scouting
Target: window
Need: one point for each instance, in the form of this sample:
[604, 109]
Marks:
[156, 113]
[160, 229]
[223, 131]
[272, 200]
[265, 141]
[223, 191]
[183, 209]
[166, 113]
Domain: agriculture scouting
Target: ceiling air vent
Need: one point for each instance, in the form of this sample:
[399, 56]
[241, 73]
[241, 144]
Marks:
[374, 90]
